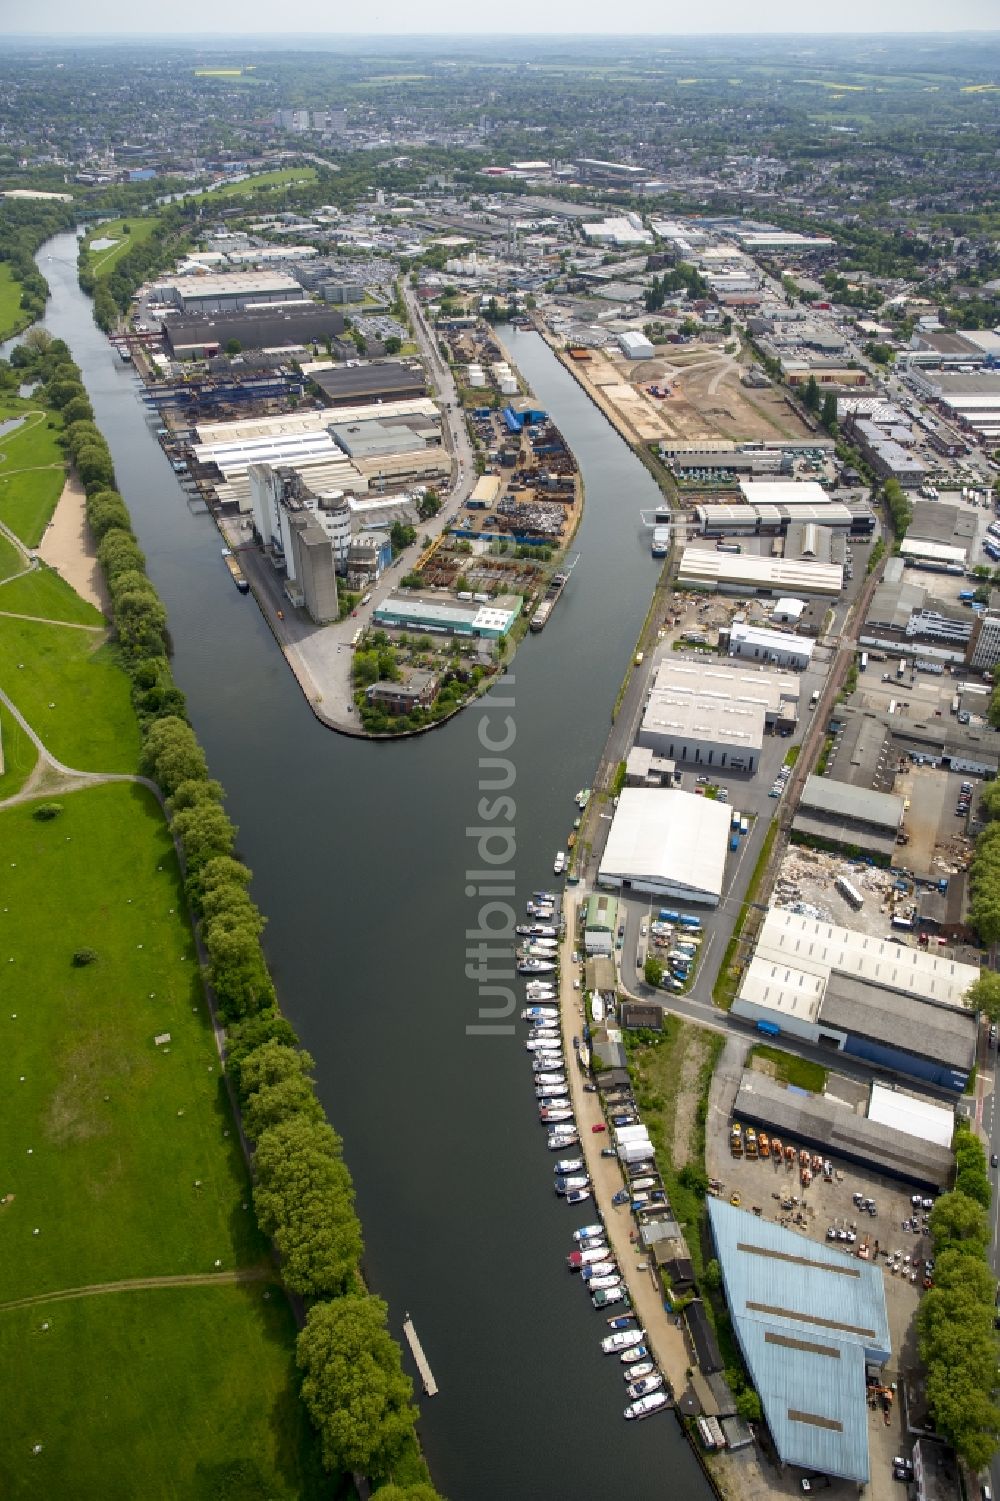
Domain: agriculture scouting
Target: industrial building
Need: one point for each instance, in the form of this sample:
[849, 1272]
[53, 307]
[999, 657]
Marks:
[935, 742]
[808, 1321]
[938, 557]
[289, 327]
[852, 516]
[488, 620]
[900, 1136]
[298, 535]
[904, 619]
[775, 648]
[668, 843]
[900, 1009]
[644, 768]
[713, 714]
[230, 292]
[972, 399]
[742, 573]
[848, 816]
[600, 924]
[984, 643]
[635, 346]
[380, 380]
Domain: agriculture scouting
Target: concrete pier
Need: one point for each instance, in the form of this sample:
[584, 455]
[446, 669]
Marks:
[417, 1351]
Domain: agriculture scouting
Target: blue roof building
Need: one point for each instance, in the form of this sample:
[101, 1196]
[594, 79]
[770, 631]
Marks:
[808, 1318]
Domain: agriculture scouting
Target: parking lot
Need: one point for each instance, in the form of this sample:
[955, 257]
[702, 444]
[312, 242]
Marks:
[821, 1207]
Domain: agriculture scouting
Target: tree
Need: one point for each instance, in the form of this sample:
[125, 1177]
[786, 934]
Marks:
[273, 1104]
[353, 1385]
[243, 1039]
[233, 346]
[305, 1200]
[236, 969]
[828, 416]
[106, 511]
[95, 467]
[78, 409]
[748, 1405]
[172, 755]
[957, 1221]
[810, 396]
[204, 831]
[393, 344]
[653, 970]
[983, 995]
[191, 793]
[712, 1278]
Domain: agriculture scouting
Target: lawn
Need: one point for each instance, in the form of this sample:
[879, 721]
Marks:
[11, 561]
[19, 754]
[100, 262]
[181, 1393]
[115, 1148]
[788, 1069]
[282, 178]
[72, 692]
[32, 473]
[11, 316]
[42, 592]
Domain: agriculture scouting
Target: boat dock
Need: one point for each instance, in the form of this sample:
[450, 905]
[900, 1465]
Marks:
[548, 601]
[417, 1351]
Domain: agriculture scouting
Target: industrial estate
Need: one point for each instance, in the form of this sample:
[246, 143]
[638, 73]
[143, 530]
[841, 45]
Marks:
[758, 982]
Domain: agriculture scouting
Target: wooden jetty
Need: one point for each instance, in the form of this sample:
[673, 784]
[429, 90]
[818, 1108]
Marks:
[417, 1351]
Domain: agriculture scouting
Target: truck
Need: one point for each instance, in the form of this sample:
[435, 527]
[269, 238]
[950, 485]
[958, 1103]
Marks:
[769, 1029]
[814, 698]
[688, 921]
[735, 821]
[666, 914]
[734, 842]
[849, 892]
[744, 826]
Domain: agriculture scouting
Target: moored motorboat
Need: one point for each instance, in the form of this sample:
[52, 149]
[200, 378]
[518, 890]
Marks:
[542, 1042]
[605, 1268]
[582, 798]
[634, 1355]
[606, 1283]
[578, 1196]
[559, 863]
[645, 1385]
[540, 1014]
[589, 1232]
[637, 1371]
[579, 1259]
[622, 1339]
[605, 1297]
[535, 967]
[560, 1143]
[553, 1113]
[646, 1406]
[622, 1321]
[568, 1165]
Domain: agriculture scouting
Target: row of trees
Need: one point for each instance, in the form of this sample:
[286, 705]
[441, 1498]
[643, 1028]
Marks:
[900, 510]
[353, 1383]
[24, 224]
[955, 1334]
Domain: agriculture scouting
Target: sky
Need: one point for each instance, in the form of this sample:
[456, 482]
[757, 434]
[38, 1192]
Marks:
[231, 19]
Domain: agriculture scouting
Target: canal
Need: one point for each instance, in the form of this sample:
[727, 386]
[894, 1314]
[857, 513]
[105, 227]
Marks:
[359, 854]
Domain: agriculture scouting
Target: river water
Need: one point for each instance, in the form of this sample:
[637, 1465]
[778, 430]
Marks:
[359, 853]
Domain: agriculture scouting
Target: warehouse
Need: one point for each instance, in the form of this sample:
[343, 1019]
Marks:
[939, 742]
[777, 692]
[668, 843]
[230, 292]
[740, 573]
[808, 1322]
[939, 557]
[452, 617]
[717, 518]
[714, 714]
[777, 648]
[828, 1125]
[635, 346]
[898, 1008]
[783, 492]
[848, 816]
[601, 923]
[382, 380]
[282, 328]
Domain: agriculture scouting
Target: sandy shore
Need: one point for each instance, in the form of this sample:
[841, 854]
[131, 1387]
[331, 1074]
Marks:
[68, 547]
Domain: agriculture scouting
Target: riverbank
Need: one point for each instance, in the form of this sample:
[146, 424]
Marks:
[68, 546]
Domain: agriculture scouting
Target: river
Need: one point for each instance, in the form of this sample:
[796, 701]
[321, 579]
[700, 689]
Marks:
[359, 853]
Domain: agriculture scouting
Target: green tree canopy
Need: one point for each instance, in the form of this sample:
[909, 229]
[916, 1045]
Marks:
[172, 755]
[305, 1201]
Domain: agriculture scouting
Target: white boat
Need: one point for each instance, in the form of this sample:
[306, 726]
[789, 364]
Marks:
[535, 930]
[548, 1063]
[642, 1183]
[555, 1113]
[605, 1268]
[578, 1196]
[549, 1081]
[535, 967]
[645, 1386]
[541, 1042]
[597, 1007]
[540, 1014]
[622, 1339]
[563, 1143]
[607, 1297]
[559, 863]
[604, 1284]
[539, 990]
[646, 1406]
[568, 1165]
[549, 944]
[588, 1232]
[637, 1371]
[551, 1099]
[583, 1054]
[634, 1356]
[578, 1259]
[582, 797]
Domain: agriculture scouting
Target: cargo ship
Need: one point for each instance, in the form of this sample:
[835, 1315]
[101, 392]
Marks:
[235, 571]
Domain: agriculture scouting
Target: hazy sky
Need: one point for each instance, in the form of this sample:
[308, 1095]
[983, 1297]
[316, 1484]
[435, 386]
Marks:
[242, 17]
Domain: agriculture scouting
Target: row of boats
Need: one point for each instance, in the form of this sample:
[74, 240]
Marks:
[591, 1258]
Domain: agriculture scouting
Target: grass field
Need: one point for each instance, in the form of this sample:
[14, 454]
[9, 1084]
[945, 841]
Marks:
[115, 1148]
[32, 472]
[19, 755]
[787, 1068]
[45, 594]
[11, 316]
[100, 262]
[11, 560]
[155, 1394]
[72, 692]
[250, 185]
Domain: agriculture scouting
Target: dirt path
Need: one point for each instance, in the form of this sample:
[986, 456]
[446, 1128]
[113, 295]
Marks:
[69, 548]
[52, 776]
[261, 1273]
[73, 625]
